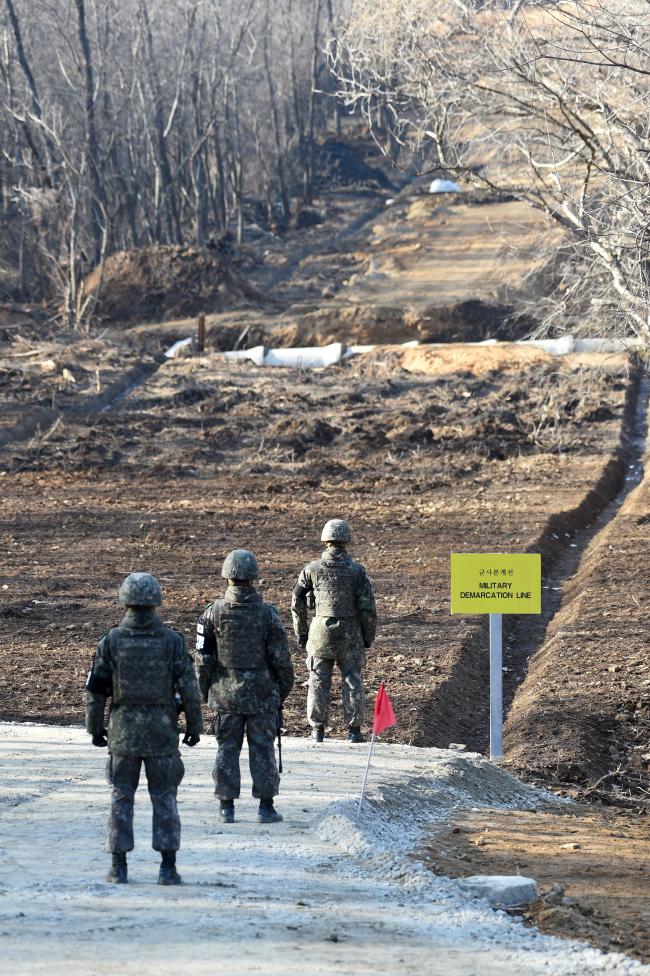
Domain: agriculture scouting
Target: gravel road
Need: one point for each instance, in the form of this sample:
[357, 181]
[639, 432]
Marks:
[316, 894]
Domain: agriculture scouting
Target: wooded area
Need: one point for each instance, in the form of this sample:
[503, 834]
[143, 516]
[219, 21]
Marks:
[133, 122]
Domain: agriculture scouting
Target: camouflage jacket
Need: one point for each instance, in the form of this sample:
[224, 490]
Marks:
[142, 729]
[345, 616]
[246, 690]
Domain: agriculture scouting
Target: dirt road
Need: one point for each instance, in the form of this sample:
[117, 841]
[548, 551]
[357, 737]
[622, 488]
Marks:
[314, 894]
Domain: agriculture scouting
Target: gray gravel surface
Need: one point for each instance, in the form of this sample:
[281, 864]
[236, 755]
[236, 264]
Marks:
[315, 894]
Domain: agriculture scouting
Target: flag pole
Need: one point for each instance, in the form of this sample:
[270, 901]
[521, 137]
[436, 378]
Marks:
[365, 777]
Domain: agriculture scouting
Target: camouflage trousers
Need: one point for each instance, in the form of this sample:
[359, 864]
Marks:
[260, 732]
[164, 773]
[320, 690]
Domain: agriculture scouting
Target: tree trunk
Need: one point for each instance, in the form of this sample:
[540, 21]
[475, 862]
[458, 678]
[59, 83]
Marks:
[167, 187]
[97, 206]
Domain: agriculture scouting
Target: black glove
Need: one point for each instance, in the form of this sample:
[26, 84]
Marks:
[191, 739]
[100, 739]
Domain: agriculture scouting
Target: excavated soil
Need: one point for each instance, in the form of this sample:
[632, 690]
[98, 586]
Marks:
[582, 716]
[586, 892]
[208, 456]
[163, 282]
[427, 449]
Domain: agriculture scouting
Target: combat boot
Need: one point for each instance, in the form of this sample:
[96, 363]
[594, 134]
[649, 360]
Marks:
[318, 733]
[118, 871]
[168, 875]
[267, 813]
[227, 811]
[354, 734]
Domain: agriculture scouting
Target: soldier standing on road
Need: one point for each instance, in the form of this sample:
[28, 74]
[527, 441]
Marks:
[140, 666]
[342, 629]
[245, 673]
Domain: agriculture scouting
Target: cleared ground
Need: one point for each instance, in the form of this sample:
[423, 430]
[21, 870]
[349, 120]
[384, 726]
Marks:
[111, 463]
[314, 894]
[206, 457]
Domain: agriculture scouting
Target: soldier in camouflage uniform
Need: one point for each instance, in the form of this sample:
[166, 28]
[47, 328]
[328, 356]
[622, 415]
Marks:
[141, 665]
[245, 673]
[343, 628]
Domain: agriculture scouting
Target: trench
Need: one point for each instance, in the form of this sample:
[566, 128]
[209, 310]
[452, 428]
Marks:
[458, 709]
[41, 420]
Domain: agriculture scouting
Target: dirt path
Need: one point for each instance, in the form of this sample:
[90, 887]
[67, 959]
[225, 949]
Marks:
[443, 249]
[314, 894]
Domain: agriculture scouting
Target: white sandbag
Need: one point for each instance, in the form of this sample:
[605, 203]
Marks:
[555, 347]
[306, 357]
[443, 186]
[177, 346]
[255, 355]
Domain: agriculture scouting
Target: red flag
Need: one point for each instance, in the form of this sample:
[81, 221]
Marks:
[384, 715]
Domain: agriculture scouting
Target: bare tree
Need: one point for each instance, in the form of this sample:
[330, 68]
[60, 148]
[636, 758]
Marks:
[547, 101]
[138, 122]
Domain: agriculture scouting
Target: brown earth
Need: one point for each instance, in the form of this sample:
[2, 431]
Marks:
[208, 456]
[582, 716]
[444, 428]
[165, 281]
[447, 249]
[598, 891]
[429, 268]
[112, 464]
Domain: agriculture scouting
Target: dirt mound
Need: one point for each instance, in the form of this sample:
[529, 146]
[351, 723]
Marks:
[477, 360]
[582, 715]
[344, 164]
[362, 323]
[164, 282]
[470, 321]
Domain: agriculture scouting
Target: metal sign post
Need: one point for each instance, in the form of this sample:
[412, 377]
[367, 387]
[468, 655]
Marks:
[496, 686]
[495, 583]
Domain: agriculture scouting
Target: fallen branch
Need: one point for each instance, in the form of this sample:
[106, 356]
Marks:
[603, 779]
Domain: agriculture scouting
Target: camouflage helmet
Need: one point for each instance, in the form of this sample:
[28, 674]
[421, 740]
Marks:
[140, 590]
[336, 530]
[240, 564]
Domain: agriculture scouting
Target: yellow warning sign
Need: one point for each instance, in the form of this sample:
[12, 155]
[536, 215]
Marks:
[496, 582]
